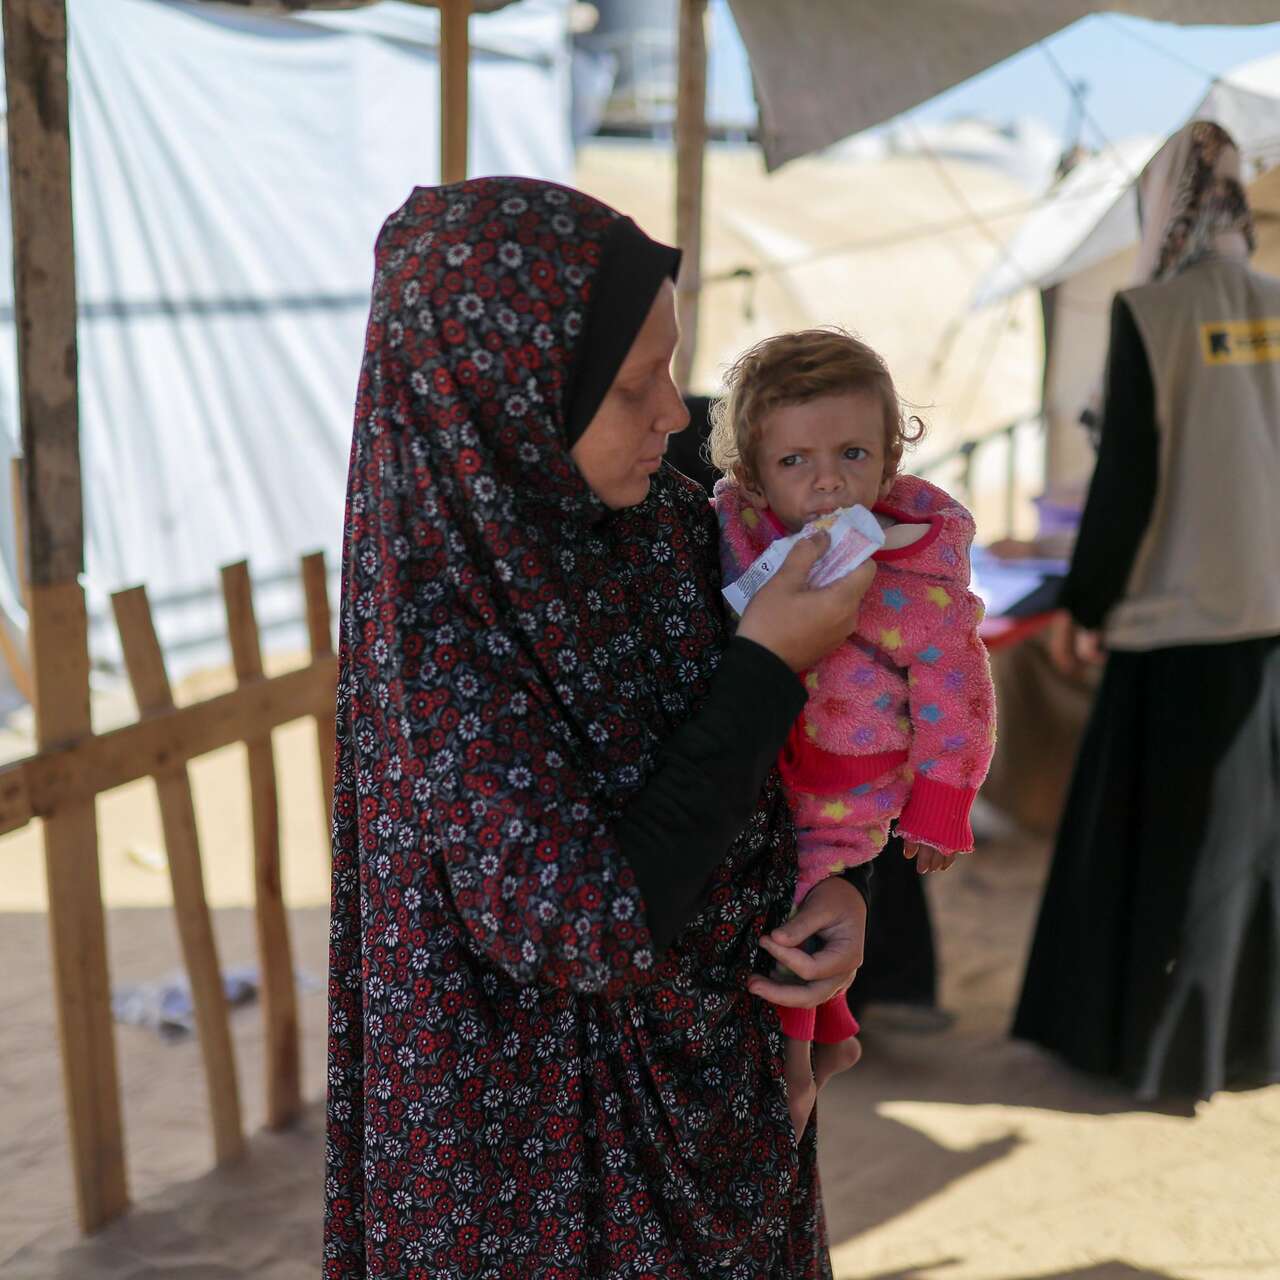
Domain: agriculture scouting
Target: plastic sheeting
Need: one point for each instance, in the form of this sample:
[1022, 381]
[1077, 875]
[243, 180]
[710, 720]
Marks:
[824, 69]
[1079, 248]
[1093, 213]
[230, 172]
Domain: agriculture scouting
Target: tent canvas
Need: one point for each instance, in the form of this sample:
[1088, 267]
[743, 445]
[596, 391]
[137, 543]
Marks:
[230, 171]
[884, 248]
[826, 69]
[1078, 250]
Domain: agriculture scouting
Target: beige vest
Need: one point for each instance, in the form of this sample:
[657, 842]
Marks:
[1208, 568]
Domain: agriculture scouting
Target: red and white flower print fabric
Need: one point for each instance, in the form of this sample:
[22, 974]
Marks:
[518, 1086]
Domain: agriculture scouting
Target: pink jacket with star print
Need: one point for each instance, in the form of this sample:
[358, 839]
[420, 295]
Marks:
[912, 685]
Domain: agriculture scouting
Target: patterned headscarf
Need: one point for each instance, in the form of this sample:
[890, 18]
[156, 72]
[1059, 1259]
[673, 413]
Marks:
[513, 652]
[1193, 203]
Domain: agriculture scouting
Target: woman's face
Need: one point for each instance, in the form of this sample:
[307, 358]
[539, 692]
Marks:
[624, 443]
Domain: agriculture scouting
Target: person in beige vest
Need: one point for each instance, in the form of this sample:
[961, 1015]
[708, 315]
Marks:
[1156, 957]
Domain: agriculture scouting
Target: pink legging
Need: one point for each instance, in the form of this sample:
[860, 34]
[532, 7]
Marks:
[832, 834]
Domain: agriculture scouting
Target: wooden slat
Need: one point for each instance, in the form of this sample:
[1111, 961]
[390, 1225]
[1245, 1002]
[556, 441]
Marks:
[691, 146]
[60, 667]
[15, 661]
[12, 653]
[47, 783]
[455, 60]
[315, 586]
[275, 957]
[145, 663]
[44, 279]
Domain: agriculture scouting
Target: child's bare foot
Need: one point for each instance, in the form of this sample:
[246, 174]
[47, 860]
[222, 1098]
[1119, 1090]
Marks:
[831, 1059]
[802, 1091]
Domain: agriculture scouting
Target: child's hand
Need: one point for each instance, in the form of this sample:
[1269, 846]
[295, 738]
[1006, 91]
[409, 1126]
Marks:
[927, 858]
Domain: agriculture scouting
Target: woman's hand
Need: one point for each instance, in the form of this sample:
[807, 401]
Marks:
[800, 623]
[835, 912]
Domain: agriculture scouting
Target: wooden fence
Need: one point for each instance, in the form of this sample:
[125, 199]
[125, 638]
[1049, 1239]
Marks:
[59, 784]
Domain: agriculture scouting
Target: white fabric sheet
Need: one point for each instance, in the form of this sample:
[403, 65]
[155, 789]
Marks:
[1093, 213]
[230, 172]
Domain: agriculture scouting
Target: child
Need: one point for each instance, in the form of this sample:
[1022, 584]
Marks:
[900, 722]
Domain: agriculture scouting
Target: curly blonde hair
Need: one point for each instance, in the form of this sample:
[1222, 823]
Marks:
[793, 368]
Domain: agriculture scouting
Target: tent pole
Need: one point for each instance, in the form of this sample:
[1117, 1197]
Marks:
[35, 57]
[455, 58]
[691, 143]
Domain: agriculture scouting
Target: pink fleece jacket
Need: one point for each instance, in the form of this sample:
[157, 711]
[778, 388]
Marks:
[912, 685]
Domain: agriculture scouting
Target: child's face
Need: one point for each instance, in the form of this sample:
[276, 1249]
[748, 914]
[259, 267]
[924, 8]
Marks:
[819, 456]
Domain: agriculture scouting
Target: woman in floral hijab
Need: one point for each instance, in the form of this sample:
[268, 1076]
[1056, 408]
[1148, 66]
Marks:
[1154, 960]
[557, 838]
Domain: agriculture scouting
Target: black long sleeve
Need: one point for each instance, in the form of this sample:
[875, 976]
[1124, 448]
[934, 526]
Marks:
[681, 824]
[1123, 491]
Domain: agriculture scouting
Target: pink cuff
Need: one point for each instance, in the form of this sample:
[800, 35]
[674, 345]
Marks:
[834, 1022]
[829, 1023]
[797, 1024]
[938, 814]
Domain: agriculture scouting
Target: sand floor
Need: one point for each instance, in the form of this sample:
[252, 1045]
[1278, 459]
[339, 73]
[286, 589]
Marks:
[959, 1156]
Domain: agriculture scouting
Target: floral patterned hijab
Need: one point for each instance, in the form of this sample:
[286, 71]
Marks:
[512, 652]
[1193, 203]
[517, 1083]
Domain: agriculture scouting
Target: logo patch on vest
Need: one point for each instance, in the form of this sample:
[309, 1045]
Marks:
[1240, 341]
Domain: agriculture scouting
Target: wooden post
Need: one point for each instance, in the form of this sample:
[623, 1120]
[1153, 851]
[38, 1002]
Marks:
[15, 662]
[275, 957]
[18, 490]
[145, 662]
[455, 62]
[60, 671]
[35, 59]
[967, 450]
[691, 145]
[1011, 481]
[320, 631]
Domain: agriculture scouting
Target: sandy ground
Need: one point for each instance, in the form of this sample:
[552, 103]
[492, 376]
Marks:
[959, 1156]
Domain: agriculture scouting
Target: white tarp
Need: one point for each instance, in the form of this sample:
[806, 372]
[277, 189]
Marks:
[1080, 248]
[824, 69]
[1093, 213]
[230, 170]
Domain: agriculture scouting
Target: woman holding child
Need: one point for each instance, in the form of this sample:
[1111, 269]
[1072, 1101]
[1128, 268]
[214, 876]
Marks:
[559, 840]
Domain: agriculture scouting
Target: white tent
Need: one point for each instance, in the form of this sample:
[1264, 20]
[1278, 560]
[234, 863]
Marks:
[882, 246]
[1078, 251]
[230, 171]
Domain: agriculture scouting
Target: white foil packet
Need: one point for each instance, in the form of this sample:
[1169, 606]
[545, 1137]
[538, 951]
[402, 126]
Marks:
[856, 535]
